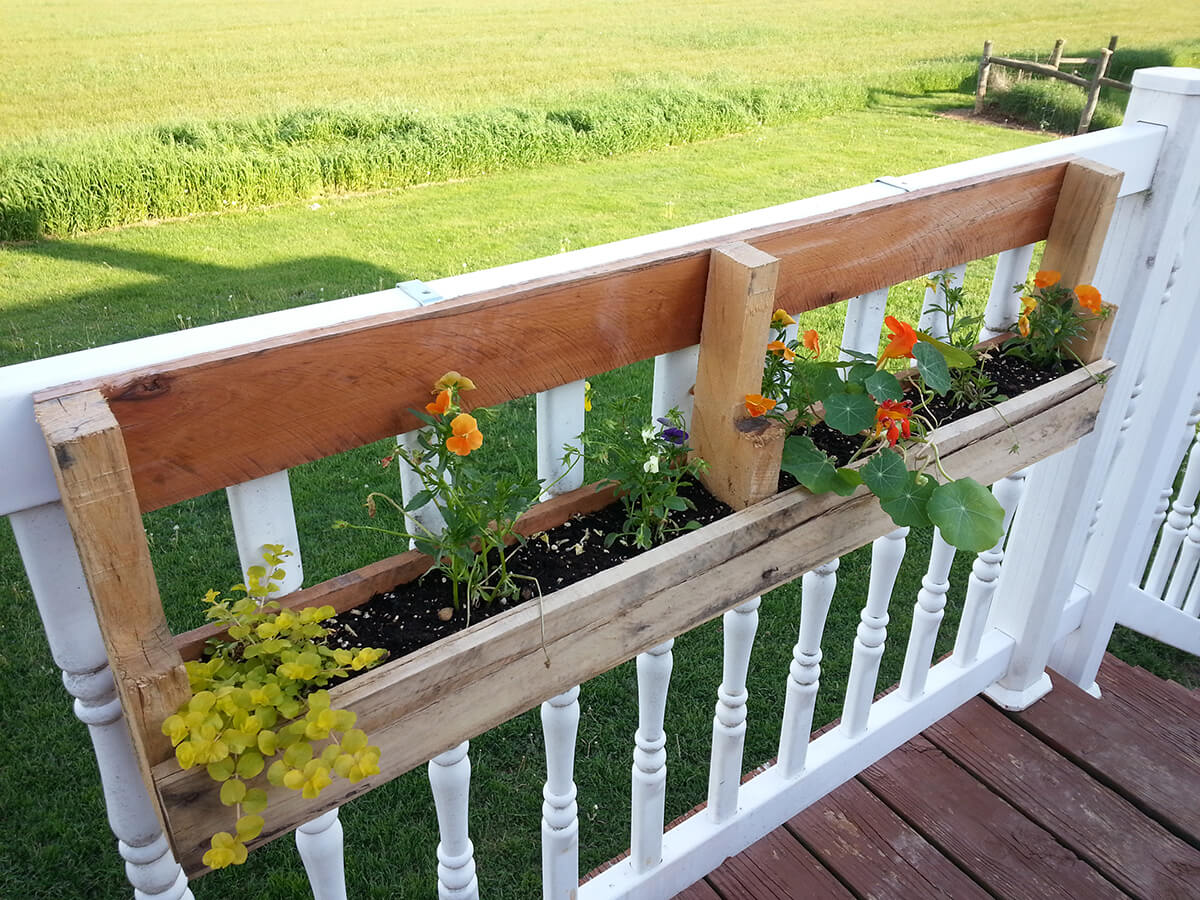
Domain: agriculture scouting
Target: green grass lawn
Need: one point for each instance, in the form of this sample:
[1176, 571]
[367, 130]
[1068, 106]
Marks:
[143, 280]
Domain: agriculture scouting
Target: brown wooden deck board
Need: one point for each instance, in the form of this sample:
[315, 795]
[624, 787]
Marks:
[1099, 825]
[1164, 708]
[698, 891]
[999, 846]
[1156, 776]
[775, 868]
[874, 852]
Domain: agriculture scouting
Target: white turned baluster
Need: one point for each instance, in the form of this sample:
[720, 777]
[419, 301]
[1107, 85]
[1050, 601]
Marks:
[729, 724]
[1185, 571]
[560, 812]
[887, 553]
[263, 514]
[1012, 268]
[321, 847]
[429, 516]
[674, 377]
[985, 575]
[933, 321]
[927, 616]
[1174, 529]
[864, 321]
[559, 423]
[650, 758]
[1191, 606]
[48, 553]
[450, 780]
[804, 673]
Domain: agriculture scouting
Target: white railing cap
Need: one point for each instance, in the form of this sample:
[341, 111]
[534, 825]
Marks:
[1168, 79]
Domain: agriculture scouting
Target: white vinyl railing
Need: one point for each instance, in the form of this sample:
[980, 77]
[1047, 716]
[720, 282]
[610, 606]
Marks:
[1096, 502]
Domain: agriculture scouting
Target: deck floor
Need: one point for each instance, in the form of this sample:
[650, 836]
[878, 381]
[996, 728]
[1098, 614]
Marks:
[1073, 798]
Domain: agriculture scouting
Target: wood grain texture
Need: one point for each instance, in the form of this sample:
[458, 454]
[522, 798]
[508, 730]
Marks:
[1152, 774]
[698, 891]
[1164, 708]
[92, 470]
[335, 388]
[874, 852]
[985, 836]
[1097, 824]
[743, 468]
[775, 868]
[1081, 218]
[419, 706]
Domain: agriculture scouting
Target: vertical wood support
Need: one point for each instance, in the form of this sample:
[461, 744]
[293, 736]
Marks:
[92, 469]
[48, 554]
[743, 454]
[674, 378]
[560, 416]
[985, 575]
[1080, 223]
[450, 781]
[729, 724]
[804, 672]
[650, 758]
[560, 810]
[985, 67]
[1012, 268]
[1093, 94]
[887, 553]
[927, 616]
[263, 513]
[1056, 54]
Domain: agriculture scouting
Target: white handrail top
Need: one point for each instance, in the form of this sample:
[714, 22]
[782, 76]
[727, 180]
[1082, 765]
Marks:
[27, 480]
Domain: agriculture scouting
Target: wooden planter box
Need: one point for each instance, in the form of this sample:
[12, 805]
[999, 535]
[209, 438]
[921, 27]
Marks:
[144, 440]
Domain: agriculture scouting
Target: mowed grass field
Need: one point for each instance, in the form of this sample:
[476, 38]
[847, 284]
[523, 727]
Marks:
[89, 73]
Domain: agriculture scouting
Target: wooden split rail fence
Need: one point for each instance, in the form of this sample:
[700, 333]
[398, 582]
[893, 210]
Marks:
[1051, 69]
[125, 441]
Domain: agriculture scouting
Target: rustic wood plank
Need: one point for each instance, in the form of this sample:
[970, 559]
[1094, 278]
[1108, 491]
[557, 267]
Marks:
[339, 387]
[1099, 825]
[985, 836]
[460, 687]
[873, 851]
[737, 319]
[775, 868]
[1152, 774]
[92, 470]
[1081, 218]
[1164, 708]
[701, 890]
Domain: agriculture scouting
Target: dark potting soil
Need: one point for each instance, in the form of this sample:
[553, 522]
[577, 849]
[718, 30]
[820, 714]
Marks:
[1011, 375]
[406, 618]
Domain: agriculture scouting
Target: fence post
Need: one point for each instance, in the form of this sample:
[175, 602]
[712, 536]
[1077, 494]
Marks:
[1093, 97]
[1153, 271]
[985, 64]
[1056, 53]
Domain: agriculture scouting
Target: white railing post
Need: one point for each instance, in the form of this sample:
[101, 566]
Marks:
[650, 758]
[450, 781]
[864, 322]
[560, 809]
[674, 378]
[1174, 529]
[804, 672]
[927, 617]
[48, 553]
[560, 417]
[1012, 268]
[933, 320]
[1136, 271]
[322, 850]
[729, 724]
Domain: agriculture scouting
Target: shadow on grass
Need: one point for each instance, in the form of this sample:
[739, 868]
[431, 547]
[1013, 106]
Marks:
[180, 292]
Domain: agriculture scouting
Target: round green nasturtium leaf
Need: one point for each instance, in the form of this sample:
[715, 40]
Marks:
[814, 468]
[885, 474]
[849, 413]
[907, 508]
[967, 514]
[859, 373]
[932, 366]
[884, 386]
[823, 381]
[232, 791]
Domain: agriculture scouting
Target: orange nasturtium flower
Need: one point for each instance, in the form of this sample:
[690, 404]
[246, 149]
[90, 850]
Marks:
[892, 417]
[781, 319]
[466, 437]
[1028, 305]
[439, 406]
[812, 341]
[1046, 278]
[779, 348]
[903, 337]
[757, 404]
[1089, 298]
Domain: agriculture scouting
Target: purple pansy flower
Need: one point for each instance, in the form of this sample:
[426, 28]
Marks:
[670, 433]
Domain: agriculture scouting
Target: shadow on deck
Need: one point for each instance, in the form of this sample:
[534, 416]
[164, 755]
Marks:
[1073, 798]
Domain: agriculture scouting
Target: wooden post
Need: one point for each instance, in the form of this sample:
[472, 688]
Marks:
[1085, 207]
[92, 469]
[743, 453]
[1056, 54]
[985, 64]
[1093, 97]
[1112, 44]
